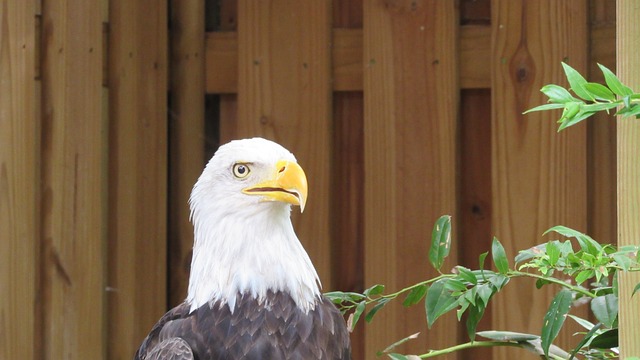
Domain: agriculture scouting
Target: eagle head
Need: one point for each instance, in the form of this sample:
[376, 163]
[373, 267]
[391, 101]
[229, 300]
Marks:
[244, 242]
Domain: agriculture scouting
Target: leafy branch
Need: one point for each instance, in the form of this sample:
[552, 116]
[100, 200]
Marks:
[591, 97]
[588, 272]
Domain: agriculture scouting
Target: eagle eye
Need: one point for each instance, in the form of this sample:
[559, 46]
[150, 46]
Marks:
[241, 170]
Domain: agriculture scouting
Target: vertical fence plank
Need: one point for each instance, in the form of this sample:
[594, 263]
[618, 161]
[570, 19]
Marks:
[19, 182]
[474, 195]
[74, 187]
[284, 95]
[601, 138]
[348, 182]
[628, 58]
[410, 104]
[539, 175]
[137, 171]
[186, 129]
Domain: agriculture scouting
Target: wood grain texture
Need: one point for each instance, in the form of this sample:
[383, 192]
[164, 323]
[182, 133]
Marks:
[539, 175]
[411, 109]
[474, 198]
[347, 62]
[601, 129]
[137, 172]
[348, 178]
[186, 128]
[628, 43]
[74, 187]
[19, 181]
[284, 95]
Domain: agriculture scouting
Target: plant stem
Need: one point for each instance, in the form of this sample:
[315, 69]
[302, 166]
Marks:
[468, 345]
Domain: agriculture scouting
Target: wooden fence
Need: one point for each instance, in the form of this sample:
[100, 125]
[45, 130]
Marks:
[400, 111]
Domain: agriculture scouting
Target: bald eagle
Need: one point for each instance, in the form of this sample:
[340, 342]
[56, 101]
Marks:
[253, 291]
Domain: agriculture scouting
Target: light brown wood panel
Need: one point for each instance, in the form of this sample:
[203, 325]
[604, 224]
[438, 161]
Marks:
[347, 62]
[74, 186]
[411, 110]
[539, 175]
[19, 181]
[284, 95]
[186, 131]
[137, 172]
[628, 131]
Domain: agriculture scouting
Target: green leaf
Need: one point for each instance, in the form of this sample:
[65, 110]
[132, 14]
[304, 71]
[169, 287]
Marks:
[585, 340]
[553, 251]
[398, 343]
[554, 318]
[481, 259]
[381, 303]
[587, 244]
[475, 315]
[614, 83]
[584, 275]
[599, 91]
[544, 108]
[467, 275]
[635, 289]
[506, 335]
[485, 292]
[499, 281]
[376, 289]
[582, 322]
[557, 94]
[499, 256]
[577, 82]
[542, 282]
[606, 340]
[440, 241]
[356, 314]
[605, 308]
[455, 285]
[416, 294]
[524, 255]
[599, 106]
[580, 116]
[438, 301]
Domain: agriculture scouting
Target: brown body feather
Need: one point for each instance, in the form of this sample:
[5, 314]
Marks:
[273, 329]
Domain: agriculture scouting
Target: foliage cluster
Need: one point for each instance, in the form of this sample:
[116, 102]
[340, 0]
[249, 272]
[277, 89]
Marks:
[582, 269]
[587, 272]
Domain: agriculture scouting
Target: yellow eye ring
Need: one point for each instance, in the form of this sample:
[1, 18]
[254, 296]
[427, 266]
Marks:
[241, 170]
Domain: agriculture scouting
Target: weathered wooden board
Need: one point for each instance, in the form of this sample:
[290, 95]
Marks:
[539, 175]
[186, 133]
[411, 111]
[137, 172]
[19, 181]
[347, 62]
[74, 186]
[628, 130]
[284, 95]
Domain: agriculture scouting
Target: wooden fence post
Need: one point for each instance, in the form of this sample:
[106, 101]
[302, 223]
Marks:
[410, 129]
[186, 130]
[539, 176]
[628, 48]
[19, 181]
[74, 186]
[137, 245]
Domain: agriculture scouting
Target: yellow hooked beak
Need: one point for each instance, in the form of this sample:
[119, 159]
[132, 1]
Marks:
[287, 184]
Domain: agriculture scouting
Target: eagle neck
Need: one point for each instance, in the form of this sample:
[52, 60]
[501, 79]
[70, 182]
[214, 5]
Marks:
[249, 253]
